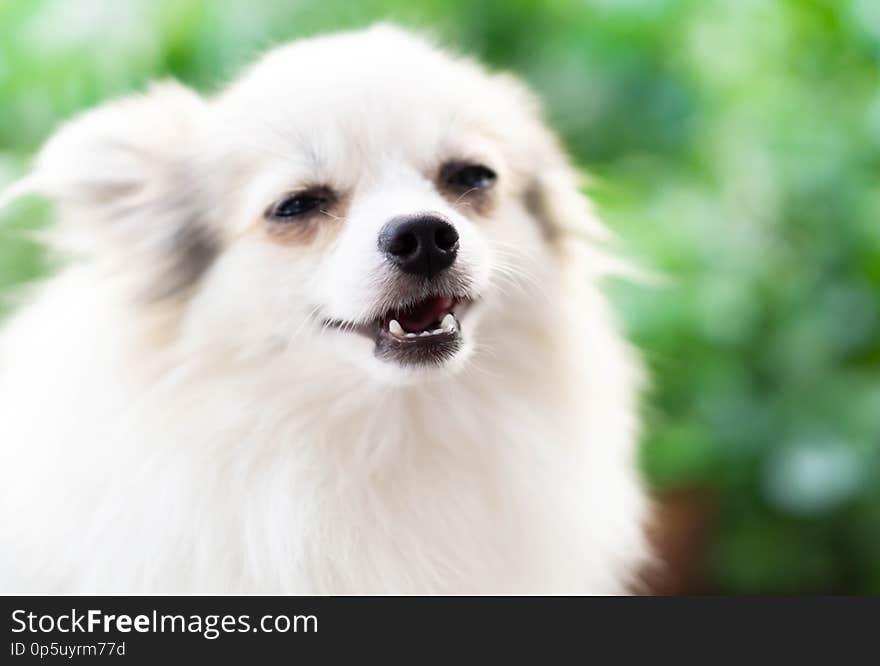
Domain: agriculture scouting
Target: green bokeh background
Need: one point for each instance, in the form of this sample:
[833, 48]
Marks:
[734, 147]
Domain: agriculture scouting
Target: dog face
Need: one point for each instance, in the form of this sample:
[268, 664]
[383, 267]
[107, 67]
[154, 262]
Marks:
[361, 197]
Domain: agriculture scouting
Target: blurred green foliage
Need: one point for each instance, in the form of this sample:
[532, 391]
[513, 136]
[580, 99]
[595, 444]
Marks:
[734, 146]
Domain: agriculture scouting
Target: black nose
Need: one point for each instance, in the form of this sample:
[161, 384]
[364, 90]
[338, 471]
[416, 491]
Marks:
[419, 244]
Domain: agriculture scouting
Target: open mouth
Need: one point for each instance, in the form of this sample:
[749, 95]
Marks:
[427, 332]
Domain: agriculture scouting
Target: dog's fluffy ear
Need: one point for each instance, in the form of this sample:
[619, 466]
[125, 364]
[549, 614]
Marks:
[126, 178]
[555, 198]
[553, 187]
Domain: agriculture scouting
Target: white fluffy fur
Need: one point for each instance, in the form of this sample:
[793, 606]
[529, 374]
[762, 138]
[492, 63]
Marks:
[217, 439]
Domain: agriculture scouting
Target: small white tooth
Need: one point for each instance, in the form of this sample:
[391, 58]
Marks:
[448, 322]
[424, 333]
[437, 331]
[411, 335]
[395, 328]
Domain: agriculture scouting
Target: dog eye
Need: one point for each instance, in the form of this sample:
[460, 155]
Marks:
[297, 204]
[470, 176]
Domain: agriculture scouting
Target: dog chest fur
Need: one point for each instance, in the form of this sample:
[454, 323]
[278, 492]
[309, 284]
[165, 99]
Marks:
[234, 483]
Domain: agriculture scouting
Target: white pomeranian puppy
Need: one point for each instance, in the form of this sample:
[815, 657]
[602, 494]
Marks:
[336, 329]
